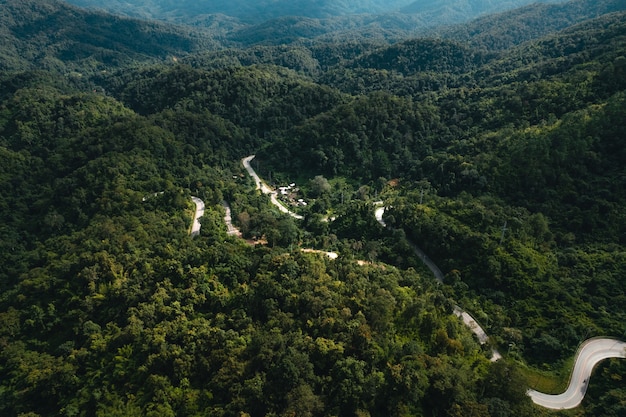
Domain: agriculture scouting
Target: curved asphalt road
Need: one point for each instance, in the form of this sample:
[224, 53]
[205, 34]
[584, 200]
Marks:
[260, 185]
[425, 259]
[265, 189]
[589, 354]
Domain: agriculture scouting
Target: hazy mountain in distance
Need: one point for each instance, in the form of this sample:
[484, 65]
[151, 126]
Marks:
[50, 34]
[250, 11]
[495, 31]
[257, 11]
[500, 31]
[467, 8]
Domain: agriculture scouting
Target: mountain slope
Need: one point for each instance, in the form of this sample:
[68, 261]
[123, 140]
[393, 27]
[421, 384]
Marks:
[503, 30]
[249, 11]
[247, 23]
[506, 167]
[452, 11]
[254, 12]
[53, 35]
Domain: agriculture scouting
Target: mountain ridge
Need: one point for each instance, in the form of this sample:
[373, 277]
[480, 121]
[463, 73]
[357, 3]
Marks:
[55, 34]
[505, 163]
[253, 13]
[503, 30]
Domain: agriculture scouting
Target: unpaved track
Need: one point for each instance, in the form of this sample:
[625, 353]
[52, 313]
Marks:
[195, 226]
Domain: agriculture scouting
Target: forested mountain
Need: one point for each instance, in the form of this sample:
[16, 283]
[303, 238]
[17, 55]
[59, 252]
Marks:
[502, 159]
[444, 11]
[55, 36]
[492, 31]
[503, 30]
[336, 22]
[246, 10]
[454, 11]
[467, 7]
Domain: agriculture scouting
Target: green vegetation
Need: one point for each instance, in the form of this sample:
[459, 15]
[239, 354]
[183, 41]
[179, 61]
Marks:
[260, 11]
[55, 36]
[505, 165]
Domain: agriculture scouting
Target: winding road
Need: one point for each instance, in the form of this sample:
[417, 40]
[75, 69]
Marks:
[467, 319]
[265, 189]
[589, 354]
[232, 230]
[422, 255]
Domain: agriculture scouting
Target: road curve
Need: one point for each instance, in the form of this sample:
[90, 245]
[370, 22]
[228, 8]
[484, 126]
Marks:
[589, 354]
[265, 189]
[379, 213]
[260, 185]
[195, 226]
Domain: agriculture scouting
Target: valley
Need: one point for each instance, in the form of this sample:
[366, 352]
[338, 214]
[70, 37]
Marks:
[337, 163]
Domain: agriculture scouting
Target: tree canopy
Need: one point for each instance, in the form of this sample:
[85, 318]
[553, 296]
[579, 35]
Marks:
[504, 165]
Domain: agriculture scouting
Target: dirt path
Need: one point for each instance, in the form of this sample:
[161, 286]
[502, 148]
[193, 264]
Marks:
[228, 219]
[195, 226]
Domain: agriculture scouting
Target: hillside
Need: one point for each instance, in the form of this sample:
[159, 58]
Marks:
[109, 307]
[259, 11]
[483, 28]
[504, 165]
[455, 11]
[52, 35]
[276, 22]
[246, 10]
[504, 30]
[242, 23]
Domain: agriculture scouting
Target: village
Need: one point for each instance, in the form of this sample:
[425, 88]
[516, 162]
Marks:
[289, 194]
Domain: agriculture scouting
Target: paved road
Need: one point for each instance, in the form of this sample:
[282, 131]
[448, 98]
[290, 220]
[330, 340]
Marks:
[425, 259]
[265, 189]
[195, 226]
[589, 354]
[379, 213]
[463, 315]
[477, 330]
[260, 185]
